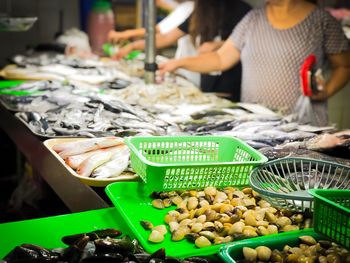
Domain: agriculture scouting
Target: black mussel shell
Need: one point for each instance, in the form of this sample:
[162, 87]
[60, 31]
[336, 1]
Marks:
[104, 258]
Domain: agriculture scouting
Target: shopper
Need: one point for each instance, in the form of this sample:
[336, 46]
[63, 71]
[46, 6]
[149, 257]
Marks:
[272, 42]
[212, 22]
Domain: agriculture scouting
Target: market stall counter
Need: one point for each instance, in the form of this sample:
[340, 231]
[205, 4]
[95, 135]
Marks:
[76, 195]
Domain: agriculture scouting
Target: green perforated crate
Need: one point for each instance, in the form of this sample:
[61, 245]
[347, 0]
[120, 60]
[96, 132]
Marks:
[332, 215]
[189, 162]
[232, 253]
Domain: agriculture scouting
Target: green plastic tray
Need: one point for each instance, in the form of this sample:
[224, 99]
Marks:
[47, 232]
[232, 252]
[5, 84]
[190, 162]
[332, 215]
[133, 204]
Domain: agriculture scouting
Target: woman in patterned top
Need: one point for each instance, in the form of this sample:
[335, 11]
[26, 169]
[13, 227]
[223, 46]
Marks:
[272, 43]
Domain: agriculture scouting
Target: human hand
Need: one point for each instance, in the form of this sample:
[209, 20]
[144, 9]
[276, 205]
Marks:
[123, 52]
[169, 66]
[115, 36]
[321, 93]
[209, 46]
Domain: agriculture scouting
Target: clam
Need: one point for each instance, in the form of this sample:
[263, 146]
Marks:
[283, 221]
[308, 240]
[146, 225]
[249, 233]
[178, 234]
[209, 235]
[201, 219]
[173, 226]
[204, 203]
[158, 203]
[156, 236]
[292, 258]
[202, 242]
[263, 253]
[288, 228]
[197, 227]
[276, 256]
[210, 191]
[192, 203]
[262, 231]
[247, 191]
[297, 218]
[161, 229]
[272, 229]
[183, 216]
[237, 228]
[250, 254]
[167, 202]
[185, 222]
[176, 200]
[250, 220]
[334, 258]
[270, 217]
[322, 259]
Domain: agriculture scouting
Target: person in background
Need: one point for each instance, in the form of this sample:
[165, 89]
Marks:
[184, 44]
[272, 42]
[212, 21]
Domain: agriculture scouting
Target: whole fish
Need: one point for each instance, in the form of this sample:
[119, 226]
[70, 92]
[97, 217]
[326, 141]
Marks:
[74, 148]
[117, 165]
[75, 160]
[88, 165]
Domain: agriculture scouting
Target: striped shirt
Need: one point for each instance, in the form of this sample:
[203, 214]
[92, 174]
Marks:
[272, 58]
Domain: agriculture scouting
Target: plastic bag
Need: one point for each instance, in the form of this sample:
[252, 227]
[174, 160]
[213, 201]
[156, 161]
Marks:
[304, 111]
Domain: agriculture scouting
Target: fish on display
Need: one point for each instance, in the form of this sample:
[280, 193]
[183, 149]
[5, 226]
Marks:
[99, 158]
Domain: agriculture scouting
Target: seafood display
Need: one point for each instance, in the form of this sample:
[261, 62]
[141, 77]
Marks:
[54, 109]
[98, 158]
[104, 245]
[309, 250]
[212, 216]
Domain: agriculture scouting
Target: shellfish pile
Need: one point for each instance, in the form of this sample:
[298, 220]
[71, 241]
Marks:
[308, 251]
[213, 216]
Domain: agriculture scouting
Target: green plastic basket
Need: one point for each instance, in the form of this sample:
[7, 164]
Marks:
[47, 232]
[232, 252]
[134, 204]
[332, 215]
[190, 162]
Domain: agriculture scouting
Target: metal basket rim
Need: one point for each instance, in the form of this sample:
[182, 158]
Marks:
[256, 188]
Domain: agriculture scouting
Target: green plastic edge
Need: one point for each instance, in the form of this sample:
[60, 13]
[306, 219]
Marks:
[4, 84]
[232, 252]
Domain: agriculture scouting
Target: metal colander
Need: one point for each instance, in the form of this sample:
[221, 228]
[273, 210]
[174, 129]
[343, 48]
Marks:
[285, 182]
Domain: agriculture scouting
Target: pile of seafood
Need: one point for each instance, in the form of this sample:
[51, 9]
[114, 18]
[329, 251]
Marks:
[97, 246]
[309, 250]
[97, 158]
[212, 216]
[53, 109]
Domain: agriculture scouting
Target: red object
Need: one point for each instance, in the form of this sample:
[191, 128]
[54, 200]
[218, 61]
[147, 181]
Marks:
[306, 74]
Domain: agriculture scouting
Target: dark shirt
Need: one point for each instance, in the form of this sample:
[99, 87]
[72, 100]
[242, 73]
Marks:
[229, 81]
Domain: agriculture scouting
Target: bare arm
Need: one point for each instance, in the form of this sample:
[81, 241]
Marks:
[222, 59]
[340, 75]
[118, 36]
[162, 41]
